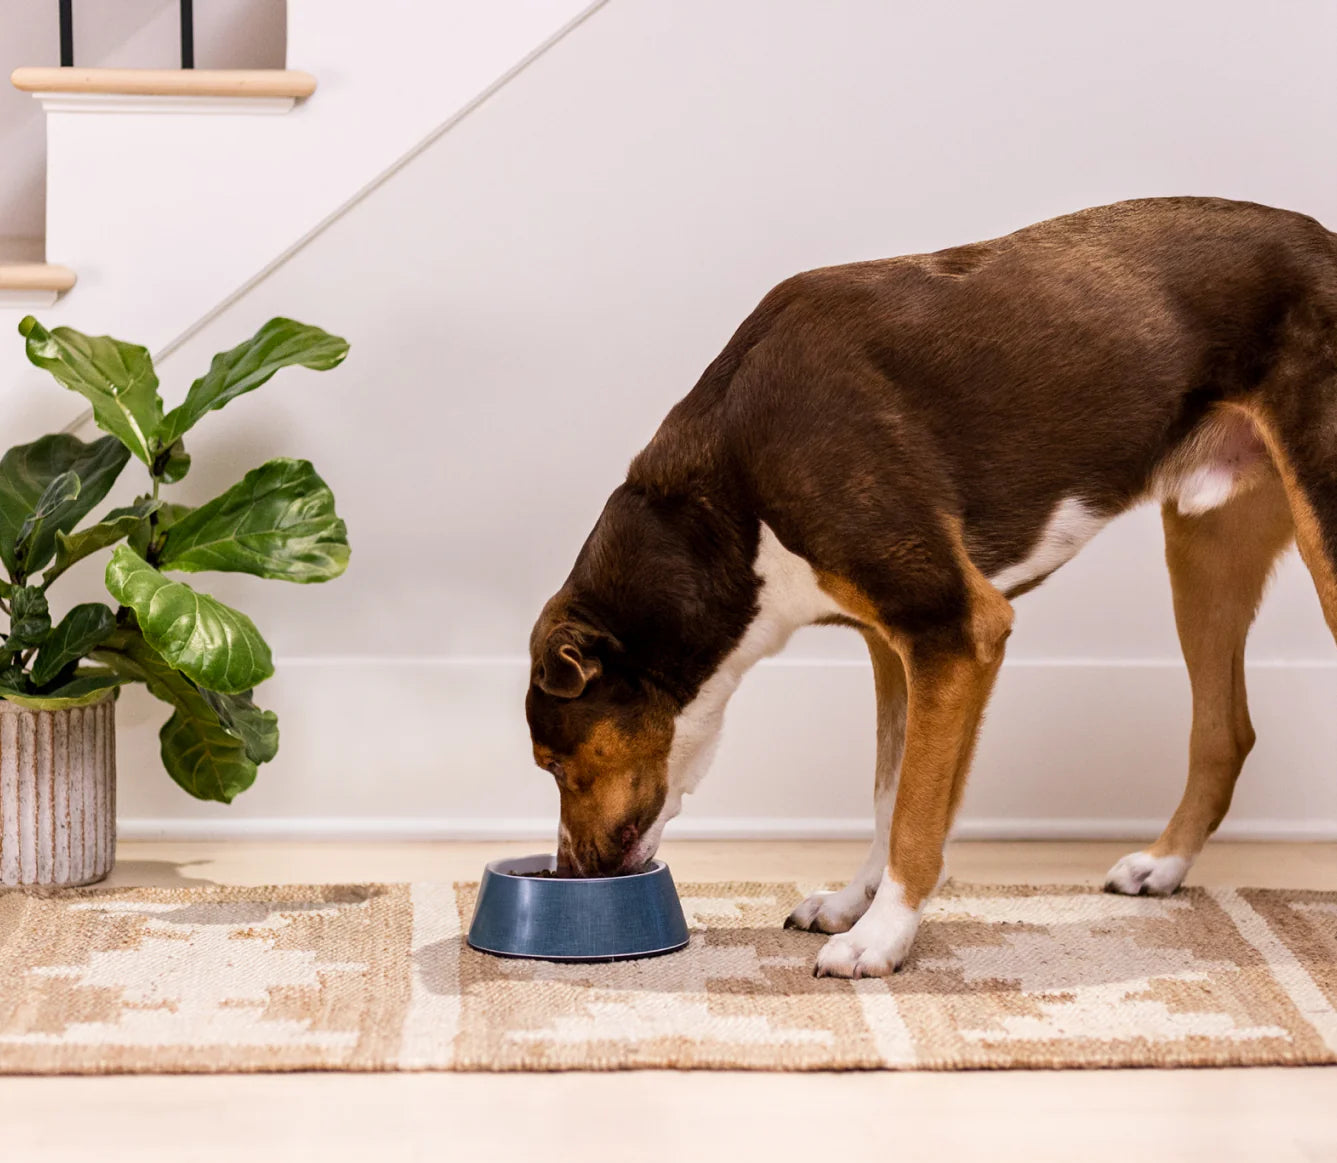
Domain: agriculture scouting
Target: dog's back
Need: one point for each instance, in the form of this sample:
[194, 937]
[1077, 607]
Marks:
[1068, 359]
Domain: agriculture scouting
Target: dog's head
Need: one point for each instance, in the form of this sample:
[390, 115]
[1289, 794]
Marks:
[660, 592]
[604, 734]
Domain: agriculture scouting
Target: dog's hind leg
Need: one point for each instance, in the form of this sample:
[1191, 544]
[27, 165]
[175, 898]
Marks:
[1219, 564]
[1300, 432]
[835, 912]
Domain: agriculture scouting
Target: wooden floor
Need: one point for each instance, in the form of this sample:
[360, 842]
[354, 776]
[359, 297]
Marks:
[1258, 1116]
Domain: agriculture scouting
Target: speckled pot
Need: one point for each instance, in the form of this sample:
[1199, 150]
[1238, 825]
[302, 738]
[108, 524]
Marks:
[57, 794]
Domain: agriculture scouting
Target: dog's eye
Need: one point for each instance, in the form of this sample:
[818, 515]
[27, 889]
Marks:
[557, 770]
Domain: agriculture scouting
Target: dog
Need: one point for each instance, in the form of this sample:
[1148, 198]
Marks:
[905, 446]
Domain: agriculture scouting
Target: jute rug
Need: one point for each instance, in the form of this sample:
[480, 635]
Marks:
[376, 977]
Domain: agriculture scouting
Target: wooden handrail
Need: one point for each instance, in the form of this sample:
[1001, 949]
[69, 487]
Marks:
[35, 276]
[167, 82]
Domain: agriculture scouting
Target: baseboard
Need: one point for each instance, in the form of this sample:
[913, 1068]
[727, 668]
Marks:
[718, 828]
[438, 749]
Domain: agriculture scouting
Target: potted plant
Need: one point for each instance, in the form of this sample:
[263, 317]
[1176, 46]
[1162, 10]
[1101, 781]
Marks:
[60, 671]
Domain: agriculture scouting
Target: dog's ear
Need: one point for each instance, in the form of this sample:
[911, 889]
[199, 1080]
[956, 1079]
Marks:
[566, 663]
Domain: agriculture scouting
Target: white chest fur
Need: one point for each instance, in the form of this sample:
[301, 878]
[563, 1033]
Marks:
[789, 598]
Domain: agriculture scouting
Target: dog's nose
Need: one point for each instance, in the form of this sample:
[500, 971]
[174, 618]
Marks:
[628, 836]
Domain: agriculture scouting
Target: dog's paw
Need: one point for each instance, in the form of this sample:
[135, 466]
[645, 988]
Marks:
[831, 912]
[879, 941]
[1142, 874]
[846, 956]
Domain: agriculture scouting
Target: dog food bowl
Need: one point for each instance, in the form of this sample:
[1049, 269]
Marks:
[606, 918]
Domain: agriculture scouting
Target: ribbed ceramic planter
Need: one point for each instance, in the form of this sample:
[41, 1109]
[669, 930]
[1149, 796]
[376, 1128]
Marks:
[57, 794]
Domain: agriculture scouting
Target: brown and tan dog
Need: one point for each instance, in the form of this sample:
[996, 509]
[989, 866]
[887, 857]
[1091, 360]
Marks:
[903, 446]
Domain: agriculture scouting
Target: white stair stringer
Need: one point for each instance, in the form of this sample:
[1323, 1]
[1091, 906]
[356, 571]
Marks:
[166, 219]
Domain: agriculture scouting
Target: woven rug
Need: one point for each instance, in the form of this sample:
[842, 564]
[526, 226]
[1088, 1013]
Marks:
[376, 977]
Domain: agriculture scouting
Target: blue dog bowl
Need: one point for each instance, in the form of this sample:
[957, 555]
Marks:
[606, 918]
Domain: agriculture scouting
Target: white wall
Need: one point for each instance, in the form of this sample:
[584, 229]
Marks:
[536, 289]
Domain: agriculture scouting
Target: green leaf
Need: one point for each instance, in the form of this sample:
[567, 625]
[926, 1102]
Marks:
[26, 473]
[64, 488]
[129, 655]
[278, 344]
[116, 378]
[6, 588]
[278, 521]
[83, 628]
[13, 681]
[197, 750]
[30, 619]
[169, 514]
[119, 523]
[126, 653]
[212, 644]
[60, 492]
[172, 463]
[204, 759]
[257, 730]
[81, 691]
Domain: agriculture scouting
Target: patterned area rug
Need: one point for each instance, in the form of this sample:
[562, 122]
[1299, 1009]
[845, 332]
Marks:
[376, 977]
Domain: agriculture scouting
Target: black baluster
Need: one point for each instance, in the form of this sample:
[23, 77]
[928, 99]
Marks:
[66, 34]
[187, 34]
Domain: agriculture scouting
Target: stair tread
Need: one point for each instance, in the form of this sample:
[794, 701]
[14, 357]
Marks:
[35, 276]
[167, 82]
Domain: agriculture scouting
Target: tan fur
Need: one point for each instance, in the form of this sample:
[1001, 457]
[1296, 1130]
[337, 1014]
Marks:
[889, 683]
[858, 605]
[608, 751]
[946, 705]
[1308, 534]
[991, 614]
[1219, 564]
[612, 781]
[946, 696]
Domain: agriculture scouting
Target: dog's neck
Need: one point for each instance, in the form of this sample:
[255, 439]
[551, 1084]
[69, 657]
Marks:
[681, 569]
[787, 598]
[667, 572]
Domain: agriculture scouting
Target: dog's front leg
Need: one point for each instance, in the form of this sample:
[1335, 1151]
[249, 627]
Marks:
[946, 698]
[835, 912]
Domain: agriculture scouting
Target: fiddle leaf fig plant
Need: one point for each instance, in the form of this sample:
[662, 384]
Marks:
[193, 652]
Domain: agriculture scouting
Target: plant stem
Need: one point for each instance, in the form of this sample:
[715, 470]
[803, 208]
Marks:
[151, 550]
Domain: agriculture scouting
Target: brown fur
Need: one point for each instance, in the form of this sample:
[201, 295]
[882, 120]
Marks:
[907, 426]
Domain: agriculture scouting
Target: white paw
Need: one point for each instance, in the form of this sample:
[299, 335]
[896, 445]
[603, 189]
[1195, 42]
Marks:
[831, 912]
[1142, 874]
[878, 943]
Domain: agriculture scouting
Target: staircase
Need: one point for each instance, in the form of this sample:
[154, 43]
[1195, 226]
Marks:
[29, 285]
[170, 192]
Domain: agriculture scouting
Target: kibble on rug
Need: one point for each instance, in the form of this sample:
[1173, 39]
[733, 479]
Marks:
[377, 977]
